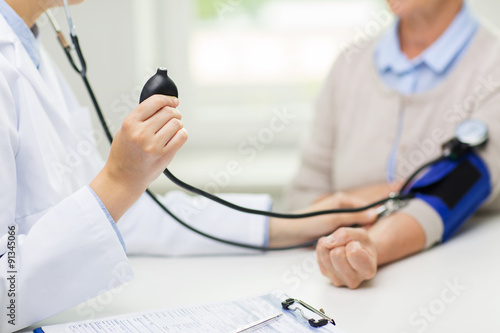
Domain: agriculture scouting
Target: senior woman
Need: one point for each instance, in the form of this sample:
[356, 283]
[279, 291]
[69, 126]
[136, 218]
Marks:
[384, 111]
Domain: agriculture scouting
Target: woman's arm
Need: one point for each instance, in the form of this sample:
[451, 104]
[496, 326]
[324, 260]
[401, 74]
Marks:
[143, 147]
[291, 232]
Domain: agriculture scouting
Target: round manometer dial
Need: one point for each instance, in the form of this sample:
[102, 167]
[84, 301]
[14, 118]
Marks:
[472, 132]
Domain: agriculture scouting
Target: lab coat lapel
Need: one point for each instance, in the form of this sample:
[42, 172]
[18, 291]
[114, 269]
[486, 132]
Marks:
[48, 93]
[34, 77]
[46, 118]
[20, 59]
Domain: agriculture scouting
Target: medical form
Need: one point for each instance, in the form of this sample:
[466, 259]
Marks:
[209, 318]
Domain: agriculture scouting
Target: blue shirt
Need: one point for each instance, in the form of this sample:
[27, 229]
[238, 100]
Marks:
[429, 69]
[424, 72]
[27, 36]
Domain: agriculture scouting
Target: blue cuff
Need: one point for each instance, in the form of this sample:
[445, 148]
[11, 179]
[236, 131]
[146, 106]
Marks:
[455, 189]
[110, 218]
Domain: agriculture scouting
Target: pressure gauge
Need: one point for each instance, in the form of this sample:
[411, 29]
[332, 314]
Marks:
[472, 132]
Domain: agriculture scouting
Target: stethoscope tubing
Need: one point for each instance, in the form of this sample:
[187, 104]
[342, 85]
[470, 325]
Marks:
[82, 70]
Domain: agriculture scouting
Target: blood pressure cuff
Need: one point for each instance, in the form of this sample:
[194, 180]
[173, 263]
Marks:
[454, 189]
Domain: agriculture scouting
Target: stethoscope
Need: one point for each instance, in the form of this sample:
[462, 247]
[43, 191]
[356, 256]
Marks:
[386, 206]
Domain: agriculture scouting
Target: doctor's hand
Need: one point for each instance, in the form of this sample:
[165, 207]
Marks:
[373, 192]
[293, 232]
[147, 141]
[142, 148]
[347, 257]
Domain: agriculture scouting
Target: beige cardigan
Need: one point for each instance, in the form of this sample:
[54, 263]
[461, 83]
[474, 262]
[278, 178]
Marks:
[356, 121]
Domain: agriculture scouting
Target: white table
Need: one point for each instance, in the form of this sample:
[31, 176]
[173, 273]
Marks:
[391, 302]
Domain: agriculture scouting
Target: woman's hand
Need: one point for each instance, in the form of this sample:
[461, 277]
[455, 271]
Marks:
[147, 141]
[351, 255]
[347, 257]
[142, 148]
[375, 192]
[284, 232]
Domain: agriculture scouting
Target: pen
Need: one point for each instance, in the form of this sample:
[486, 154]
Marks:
[258, 324]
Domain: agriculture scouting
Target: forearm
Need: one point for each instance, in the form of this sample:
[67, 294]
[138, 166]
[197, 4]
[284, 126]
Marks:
[284, 232]
[396, 237]
[292, 232]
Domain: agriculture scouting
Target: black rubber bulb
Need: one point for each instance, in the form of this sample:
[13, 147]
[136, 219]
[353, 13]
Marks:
[159, 84]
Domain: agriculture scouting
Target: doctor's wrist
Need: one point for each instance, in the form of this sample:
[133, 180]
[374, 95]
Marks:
[117, 192]
[283, 232]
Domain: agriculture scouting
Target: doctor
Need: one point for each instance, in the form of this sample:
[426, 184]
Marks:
[59, 243]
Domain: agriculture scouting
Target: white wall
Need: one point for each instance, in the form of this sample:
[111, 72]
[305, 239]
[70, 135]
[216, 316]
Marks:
[488, 10]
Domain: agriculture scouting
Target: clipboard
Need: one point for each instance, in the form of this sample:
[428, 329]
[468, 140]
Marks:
[273, 312]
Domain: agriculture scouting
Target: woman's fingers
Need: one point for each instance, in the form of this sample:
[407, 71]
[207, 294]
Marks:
[152, 105]
[346, 201]
[168, 131]
[347, 257]
[163, 116]
[325, 263]
[349, 201]
[365, 217]
[347, 274]
[147, 141]
[173, 146]
[343, 236]
[361, 260]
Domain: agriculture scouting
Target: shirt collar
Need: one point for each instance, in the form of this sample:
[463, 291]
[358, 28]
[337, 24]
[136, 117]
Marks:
[438, 56]
[27, 36]
[388, 54]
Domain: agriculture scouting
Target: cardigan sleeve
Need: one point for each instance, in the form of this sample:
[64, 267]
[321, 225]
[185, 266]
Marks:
[487, 110]
[430, 221]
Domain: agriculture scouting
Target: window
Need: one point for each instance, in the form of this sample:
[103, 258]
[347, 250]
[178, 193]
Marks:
[247, 63]
[247, 58]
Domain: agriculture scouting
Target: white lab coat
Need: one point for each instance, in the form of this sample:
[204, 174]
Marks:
[66, 249]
